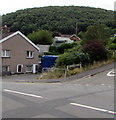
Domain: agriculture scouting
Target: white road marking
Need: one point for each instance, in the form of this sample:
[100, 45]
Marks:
[21, 93]
[93, 108]
[111, 73]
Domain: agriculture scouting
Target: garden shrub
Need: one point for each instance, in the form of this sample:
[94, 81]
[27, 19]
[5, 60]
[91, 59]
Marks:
[73, 58]
[96, 50]
[61, 49]
[112, 44]
[52, 49]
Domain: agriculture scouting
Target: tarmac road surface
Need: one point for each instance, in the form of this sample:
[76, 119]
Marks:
[87, 97]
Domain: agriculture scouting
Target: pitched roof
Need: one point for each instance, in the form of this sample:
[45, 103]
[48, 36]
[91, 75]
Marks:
[75, 36]
[63, 39]
[65, 35]
[18, 32]
[43, 48]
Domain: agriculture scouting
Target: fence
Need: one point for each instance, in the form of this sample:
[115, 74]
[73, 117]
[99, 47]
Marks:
[46, 70]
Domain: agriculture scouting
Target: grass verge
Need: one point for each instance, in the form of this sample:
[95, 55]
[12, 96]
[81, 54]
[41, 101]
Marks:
[59, 73]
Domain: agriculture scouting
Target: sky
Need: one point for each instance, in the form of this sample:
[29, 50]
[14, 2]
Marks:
[8, 6]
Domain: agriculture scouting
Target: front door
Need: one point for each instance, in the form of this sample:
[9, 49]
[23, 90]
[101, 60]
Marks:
[19, 68]
[35, 68]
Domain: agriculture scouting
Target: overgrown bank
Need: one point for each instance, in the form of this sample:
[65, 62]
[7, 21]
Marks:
[56, 74]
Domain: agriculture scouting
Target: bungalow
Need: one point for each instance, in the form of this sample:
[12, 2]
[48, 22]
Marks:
[59, 40]
[18, 54]
[65, 39]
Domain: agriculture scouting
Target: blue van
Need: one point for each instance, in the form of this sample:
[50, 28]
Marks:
[48, 61]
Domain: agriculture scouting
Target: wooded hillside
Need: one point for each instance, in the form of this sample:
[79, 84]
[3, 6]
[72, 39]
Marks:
[55, 18]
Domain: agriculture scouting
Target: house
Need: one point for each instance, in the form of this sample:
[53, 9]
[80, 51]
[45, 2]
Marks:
[59, 40]
[18, 54]
[75, 38]
[65, 39]
[43, 48]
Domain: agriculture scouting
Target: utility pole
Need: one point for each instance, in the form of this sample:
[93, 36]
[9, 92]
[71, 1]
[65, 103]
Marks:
[76, 29]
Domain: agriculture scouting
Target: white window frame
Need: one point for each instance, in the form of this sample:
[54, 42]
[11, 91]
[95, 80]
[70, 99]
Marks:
[21, 68]
[30, 54]
[4, 53]
[31, 68]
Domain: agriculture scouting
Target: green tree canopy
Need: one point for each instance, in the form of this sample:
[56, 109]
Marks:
[98, 32]
[43, 37]
[112, 43]
[55, 18]
[70, 58]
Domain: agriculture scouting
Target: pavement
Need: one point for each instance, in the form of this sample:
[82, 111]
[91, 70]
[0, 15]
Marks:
[33, 78]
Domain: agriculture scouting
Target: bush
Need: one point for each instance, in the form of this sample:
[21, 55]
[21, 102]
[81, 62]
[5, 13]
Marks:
[112, 46]
[112, 43]
[73, 58]
[75, 48]
[96, 50]
[52, 49]
[65, 46]
[114, 40]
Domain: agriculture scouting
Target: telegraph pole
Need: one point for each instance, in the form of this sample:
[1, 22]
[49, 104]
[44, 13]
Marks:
[76, 29]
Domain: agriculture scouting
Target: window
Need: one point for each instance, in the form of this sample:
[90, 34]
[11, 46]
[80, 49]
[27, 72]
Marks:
[5, 68]
[29, 68]
[29, 54]
[5, 53]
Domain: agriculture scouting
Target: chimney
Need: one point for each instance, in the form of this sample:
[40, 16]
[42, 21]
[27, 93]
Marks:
[5, 29]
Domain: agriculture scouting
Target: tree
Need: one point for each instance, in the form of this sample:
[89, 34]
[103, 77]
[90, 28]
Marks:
[43, 37]
[112, 43]
[97, 33]
[96, 51]
[81, 34]
[55, 33]
[65, 46]
[57, 18]
[71, 58]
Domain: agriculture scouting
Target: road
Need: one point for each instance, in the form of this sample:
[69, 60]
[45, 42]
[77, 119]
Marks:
[87, 97]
